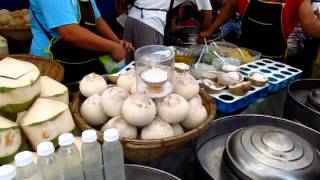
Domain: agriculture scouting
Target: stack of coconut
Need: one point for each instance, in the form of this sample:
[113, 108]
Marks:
[36, 104]
[14, 19]
[136, 115]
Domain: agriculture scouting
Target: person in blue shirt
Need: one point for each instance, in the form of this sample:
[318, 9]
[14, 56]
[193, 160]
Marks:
[73, 32]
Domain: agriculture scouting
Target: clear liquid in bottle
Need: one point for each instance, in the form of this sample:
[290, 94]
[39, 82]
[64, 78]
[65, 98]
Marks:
[26, 169]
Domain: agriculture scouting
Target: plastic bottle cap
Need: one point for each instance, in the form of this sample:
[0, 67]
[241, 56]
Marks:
[7, 172]
[66, 139]
[111, 135]
[23, 159]
[45, 149]
[89, 136]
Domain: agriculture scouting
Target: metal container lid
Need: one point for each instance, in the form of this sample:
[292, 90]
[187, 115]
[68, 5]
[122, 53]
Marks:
[267, 152]
[314, 99]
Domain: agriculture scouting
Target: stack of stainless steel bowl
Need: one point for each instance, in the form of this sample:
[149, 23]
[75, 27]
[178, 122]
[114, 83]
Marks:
[250, 147]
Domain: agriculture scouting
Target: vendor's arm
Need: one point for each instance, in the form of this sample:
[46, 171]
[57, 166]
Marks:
[207, 19]
[227, 11]
[74, 34]
[308, 20]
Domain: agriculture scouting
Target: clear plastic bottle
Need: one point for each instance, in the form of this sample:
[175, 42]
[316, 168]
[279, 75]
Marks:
[70, 158]
[91, 156]
[48, 162]
[26, 169]
[113, 156]
[7, 172]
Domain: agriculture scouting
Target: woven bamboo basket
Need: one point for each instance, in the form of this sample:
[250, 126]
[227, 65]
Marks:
[16, 34]
[144, 151]
[48, 67]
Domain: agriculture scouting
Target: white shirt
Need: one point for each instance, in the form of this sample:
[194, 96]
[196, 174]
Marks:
[157, 19]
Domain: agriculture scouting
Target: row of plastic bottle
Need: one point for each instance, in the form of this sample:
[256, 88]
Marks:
[68, 164]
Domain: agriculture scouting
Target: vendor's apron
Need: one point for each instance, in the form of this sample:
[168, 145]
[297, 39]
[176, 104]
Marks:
[77, 61]
[262, 29]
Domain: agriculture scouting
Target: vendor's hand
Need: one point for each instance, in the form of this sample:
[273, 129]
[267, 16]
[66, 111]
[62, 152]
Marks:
[118, 53]
[202, 35]
[127, 45]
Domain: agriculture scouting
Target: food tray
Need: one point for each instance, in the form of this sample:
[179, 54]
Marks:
[228, 103]
[280, 75]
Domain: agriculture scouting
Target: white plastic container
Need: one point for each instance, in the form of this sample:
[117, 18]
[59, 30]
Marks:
[26, 169]
[91, 156]
[3, 46]
[113, 156]
[7, 172]
[70, 158]
[48, 162]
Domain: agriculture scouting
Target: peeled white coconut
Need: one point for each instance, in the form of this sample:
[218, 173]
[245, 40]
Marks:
[78, 142]
[196, 99]
[173, 108]
[92, 84]
[133, 88]
[139, 110]
[197, 115]
[186, 85]
[92, 112]
[10, 140]
[112, 100]
[52, 89]
[46, 120]
[125, 129]
[158, 129]
[126, 79]
[19, 85]
[178, 129]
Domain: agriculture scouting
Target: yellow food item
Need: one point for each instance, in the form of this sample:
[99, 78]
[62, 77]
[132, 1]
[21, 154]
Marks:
[184, 59]
[245, 58]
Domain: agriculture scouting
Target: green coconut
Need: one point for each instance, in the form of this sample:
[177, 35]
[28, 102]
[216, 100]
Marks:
[52, 89]
[19, 85]
[10, 140]
[46, 120]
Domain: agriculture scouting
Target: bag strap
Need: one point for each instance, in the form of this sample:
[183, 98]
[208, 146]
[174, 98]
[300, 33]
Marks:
[169, 14]
[40, 25]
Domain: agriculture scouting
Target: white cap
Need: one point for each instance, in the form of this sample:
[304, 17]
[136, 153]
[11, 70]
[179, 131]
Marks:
[66, 139]
[89, 136]
[7, 172]
[111, 135]
[23, 159]
[45, 149]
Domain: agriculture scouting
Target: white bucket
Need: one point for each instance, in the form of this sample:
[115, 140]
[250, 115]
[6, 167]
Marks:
[3, 46]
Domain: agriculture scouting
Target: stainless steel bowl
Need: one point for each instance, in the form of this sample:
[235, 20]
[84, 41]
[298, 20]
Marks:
[268, 152]
[211, 146]
[137, 172]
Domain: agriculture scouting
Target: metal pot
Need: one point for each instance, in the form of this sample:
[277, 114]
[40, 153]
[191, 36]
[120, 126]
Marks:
[302, 103]
[137, 172]
[258, 147]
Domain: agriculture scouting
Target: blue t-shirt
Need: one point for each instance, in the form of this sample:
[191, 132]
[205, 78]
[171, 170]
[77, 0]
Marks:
[52, 14]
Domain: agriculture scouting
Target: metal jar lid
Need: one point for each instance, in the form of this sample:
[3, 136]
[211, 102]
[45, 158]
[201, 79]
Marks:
[314, 99]
[267, 152]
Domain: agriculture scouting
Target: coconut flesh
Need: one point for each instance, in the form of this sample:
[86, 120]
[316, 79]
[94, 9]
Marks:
[52, 89]
[158, 129]
[92, 84]
[125, 129]
[173, 108]
[92, 112]
[139, 110]
[196, 116]
[112, 100]
[46, 120]
[186, 85]
[19, 85]
[10, 140]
